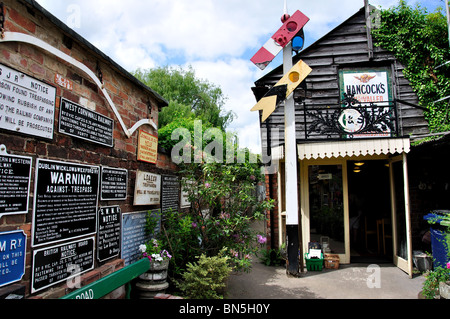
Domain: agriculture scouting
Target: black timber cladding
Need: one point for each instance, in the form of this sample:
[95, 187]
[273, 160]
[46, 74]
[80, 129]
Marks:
[346, 46]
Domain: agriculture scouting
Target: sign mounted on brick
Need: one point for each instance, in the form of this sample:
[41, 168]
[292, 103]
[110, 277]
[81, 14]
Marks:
[15, 173]
[77, 121]
[114, 184]
[56, 264]
[13, 247]
[147, 189]
[109, 232]
[27, 105]
[147, 147]
[65, 201]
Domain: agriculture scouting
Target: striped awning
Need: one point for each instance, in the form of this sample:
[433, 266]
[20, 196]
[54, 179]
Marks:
[353, 148]
[350, 148]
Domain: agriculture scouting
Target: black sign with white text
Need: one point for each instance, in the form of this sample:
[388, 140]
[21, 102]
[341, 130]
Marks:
[77, 121]
[56, 264]
[114, 184]
[15, 173]
[108, 237]
[170, 193]
[65, 201]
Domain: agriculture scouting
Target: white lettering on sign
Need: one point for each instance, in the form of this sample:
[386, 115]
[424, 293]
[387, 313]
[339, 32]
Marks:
[26, 104]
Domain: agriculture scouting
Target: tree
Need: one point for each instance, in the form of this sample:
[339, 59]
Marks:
[419, 40]
[188, 96]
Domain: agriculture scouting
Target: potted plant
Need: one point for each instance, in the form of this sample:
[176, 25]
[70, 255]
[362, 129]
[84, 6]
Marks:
[153, 281]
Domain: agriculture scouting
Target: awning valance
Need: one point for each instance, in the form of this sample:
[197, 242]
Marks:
[353, 148]
[350, 148]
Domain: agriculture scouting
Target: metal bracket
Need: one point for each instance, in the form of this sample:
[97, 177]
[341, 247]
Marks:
[24, 38]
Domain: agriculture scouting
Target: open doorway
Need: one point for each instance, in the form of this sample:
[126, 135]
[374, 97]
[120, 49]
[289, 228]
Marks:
[369, 211]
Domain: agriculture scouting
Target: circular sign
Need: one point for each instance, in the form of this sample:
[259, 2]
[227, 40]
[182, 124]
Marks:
[351, 120]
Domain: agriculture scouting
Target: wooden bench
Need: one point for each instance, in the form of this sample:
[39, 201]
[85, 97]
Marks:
[107, 284]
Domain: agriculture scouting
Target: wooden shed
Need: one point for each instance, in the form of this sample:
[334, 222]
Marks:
[356, 115]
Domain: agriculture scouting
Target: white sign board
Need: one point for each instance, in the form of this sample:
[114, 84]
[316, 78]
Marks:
[147, 190]
[27, 105]
[367, 86]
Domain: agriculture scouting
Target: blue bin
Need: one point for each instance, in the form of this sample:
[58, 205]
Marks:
[439, 244]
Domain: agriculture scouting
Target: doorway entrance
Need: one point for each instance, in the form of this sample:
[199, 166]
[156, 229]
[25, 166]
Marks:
[370, 211]
[359, 207]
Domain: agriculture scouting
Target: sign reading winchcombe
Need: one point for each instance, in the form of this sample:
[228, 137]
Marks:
[65, 201]
[77, 121]
[27, 105]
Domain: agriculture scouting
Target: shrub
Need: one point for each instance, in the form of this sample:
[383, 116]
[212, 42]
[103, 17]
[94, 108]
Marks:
[206, 278]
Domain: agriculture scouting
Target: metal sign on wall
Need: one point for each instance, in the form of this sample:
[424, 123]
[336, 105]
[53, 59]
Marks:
[134, 234]
[56, 264]
[147, 147]
[77, 121]
[114, 183]
[108, 237]
[12, 256]
[147, 189]
[27, 105]
[65, 201]
[15, 173]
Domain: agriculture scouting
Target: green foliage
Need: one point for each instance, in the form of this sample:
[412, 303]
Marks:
[206, 278]
[271, 257]
[430, 287]
[188, 96]
[419, 40]
[180, 238]
[167, 138]
[224, 205]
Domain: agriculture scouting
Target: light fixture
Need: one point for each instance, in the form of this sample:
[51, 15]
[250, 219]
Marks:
[359, 164]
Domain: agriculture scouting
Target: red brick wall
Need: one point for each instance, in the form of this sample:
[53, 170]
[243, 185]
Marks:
[130, 99]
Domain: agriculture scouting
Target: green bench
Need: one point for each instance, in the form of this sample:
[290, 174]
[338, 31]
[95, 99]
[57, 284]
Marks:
[107, 284]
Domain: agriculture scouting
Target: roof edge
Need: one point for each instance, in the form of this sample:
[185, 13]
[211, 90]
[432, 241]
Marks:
[77, 37]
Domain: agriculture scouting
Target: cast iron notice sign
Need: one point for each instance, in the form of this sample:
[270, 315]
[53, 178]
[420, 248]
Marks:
[134, 234]
[56, 264]
[15, 172]
[170, 193]
[65, 201]
[27, 105]
[114, 184]
[12, 256]
[108, 238]
[77, 121]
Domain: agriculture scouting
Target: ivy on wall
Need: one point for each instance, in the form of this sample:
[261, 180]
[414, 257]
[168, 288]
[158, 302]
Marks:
[420, 42]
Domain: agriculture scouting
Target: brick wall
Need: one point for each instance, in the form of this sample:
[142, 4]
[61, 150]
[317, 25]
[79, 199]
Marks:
[132, 100]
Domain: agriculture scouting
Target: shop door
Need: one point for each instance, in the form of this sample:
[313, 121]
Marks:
[327, 210]
[401, 224]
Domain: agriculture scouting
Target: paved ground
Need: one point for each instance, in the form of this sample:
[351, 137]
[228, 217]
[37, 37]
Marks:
[347, 282]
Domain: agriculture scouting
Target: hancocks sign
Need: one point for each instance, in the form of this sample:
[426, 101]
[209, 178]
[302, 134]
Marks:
[371, 90]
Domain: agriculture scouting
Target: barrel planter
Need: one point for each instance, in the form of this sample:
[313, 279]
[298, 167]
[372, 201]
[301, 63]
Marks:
[154, 281]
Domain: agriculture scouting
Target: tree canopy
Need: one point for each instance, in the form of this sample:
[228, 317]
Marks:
[420, 42]
[188, 96]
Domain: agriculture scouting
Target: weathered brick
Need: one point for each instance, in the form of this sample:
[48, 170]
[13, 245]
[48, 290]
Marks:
[22, 21]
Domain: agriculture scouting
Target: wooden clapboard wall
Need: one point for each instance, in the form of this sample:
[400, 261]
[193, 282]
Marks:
[346, 46]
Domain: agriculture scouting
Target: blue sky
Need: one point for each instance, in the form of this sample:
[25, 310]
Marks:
[216, 37]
